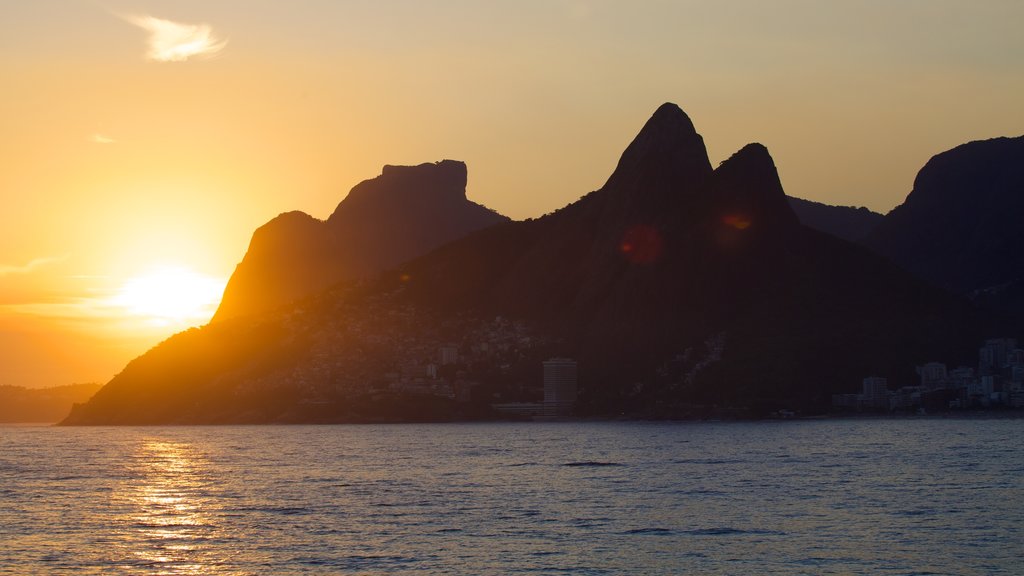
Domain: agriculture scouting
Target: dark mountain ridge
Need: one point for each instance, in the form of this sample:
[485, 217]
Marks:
[846, 222]
[675, 285]
[670, 253]
[960, 227]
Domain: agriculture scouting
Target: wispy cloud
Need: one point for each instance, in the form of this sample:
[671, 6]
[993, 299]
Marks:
[171, 41]
[101, 139]
[8, 270]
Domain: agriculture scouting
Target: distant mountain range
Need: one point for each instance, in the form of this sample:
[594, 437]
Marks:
[845, 222]
[403, 213]
[41, 405]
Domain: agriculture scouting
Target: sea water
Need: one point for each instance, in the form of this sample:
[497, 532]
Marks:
[914, 496]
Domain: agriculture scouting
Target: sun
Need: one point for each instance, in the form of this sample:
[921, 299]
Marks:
[170, 295]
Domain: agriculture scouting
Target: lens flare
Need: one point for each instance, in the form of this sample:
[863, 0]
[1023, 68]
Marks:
[737, 221]
[641, 244]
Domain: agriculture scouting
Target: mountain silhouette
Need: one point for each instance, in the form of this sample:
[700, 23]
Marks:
[961, 226]
[405, 212]
[845, 222]
[670, 252]
[674, 285]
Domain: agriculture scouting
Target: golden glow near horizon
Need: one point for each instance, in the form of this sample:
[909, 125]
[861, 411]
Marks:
[135, 135]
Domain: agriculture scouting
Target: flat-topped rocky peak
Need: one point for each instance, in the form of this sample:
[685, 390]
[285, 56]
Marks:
[443, 181]
[403, 213]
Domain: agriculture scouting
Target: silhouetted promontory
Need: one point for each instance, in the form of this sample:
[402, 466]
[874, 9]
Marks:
[403, 213]
[681, 290]
[962, 225]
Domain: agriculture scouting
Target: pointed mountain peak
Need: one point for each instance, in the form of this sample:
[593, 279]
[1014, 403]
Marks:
[753, 156]
[747, 188]
[665, 162]
[670, 115]
[667, 142]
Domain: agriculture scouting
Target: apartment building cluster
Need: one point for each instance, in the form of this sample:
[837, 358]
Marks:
[997, 381]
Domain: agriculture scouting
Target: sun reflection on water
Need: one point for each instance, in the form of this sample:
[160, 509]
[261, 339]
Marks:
[165, 498]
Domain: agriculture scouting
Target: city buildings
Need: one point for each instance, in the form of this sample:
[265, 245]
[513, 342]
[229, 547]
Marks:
[560, 393]
[997, 382]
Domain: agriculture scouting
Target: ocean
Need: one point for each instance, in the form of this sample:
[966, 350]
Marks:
[860, 496]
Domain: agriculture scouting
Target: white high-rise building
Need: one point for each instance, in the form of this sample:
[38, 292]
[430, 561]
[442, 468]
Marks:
[994, 354]
[933, 375]
[875, 392]
[560, 384]
[449, 354]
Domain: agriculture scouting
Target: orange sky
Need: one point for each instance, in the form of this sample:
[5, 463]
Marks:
[140, 135]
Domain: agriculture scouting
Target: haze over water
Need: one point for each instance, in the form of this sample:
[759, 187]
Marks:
[823, 497]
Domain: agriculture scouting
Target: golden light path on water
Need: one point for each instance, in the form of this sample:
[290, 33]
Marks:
[164, 499]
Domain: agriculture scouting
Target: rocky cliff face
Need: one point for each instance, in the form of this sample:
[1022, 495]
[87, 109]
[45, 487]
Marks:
[403, 213]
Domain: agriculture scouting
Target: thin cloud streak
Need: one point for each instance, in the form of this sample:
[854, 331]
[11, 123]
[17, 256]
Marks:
[171, 41]
[8, 270]
[101, 139]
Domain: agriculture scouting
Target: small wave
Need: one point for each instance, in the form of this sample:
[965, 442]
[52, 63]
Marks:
[289, 511]
[915, 513]
[706, 461]
[728, 531]
[169, 526]
[717, 531]
[649, 531]
[283, 510]
[700, 492]
[590, 464]
[356, 561]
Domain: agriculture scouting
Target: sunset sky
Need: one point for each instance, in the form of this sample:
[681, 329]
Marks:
[144, 141]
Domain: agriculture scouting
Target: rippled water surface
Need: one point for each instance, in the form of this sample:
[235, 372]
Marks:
[823, 497]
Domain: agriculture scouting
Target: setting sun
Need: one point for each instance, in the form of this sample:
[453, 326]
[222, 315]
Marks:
[170, 295]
